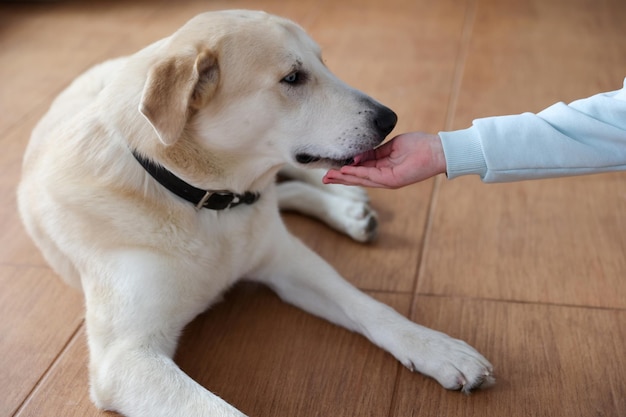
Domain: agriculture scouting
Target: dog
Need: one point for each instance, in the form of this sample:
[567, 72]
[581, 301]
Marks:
[150, 186]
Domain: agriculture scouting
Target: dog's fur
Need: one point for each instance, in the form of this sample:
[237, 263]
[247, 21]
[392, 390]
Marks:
[224, 103]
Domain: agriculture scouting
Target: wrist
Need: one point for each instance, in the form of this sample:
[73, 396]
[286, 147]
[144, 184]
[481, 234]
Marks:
[438, 156]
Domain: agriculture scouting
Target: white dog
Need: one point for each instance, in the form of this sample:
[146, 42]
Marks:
[150, 185]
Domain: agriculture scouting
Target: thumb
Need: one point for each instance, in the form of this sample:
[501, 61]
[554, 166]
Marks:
[363, 157]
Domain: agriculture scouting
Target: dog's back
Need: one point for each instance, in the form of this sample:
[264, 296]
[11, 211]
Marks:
[50, 157]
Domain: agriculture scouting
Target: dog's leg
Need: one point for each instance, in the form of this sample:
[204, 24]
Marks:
[134, 318]
[302, 278]
[354, 218]
[314, 178]
[345, 209]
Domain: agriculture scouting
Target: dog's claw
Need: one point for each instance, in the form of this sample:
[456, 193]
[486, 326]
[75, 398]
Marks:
[483, 382]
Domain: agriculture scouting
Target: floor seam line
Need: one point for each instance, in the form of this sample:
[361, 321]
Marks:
[47, 371]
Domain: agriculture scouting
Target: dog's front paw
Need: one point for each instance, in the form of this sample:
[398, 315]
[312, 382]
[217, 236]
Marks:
[358, 220]
[453, 363]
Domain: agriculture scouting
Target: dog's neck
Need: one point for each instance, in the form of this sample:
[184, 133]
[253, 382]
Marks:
[209, 199]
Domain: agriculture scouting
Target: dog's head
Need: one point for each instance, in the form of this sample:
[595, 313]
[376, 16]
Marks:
[248, 86]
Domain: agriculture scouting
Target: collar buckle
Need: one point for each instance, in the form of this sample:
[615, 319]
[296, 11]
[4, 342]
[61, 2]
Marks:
[217, 200]
[211, 199]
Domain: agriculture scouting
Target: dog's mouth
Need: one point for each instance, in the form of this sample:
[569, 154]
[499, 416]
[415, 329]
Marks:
[317, 160]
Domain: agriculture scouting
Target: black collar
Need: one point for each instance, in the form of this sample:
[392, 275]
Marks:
[211, 199]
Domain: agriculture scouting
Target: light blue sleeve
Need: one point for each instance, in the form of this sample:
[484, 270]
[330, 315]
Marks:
[587, 136]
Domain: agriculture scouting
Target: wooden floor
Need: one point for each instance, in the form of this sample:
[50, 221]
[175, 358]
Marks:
[532, 274]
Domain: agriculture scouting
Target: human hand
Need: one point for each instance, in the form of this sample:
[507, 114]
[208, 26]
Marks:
[405, 159]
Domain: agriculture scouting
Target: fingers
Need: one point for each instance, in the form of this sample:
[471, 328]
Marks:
[337, 177]
[351, 175]
[405, 159]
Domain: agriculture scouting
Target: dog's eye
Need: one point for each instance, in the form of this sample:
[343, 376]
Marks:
[295, 78]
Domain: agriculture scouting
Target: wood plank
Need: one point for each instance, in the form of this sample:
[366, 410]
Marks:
[526, 55]
[16, 248]
[263, 356]
[46, 45]
[557, 241]
[68, 394]
[549, 360]
[39, 315]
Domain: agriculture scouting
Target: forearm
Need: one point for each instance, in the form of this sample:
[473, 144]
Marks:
[587, 136]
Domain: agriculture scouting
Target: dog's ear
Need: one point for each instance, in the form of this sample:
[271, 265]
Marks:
[176, 87]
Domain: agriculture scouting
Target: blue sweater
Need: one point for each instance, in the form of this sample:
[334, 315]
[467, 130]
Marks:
[587, 136]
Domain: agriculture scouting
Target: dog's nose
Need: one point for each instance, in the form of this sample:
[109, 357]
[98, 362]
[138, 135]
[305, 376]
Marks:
[385, 121]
